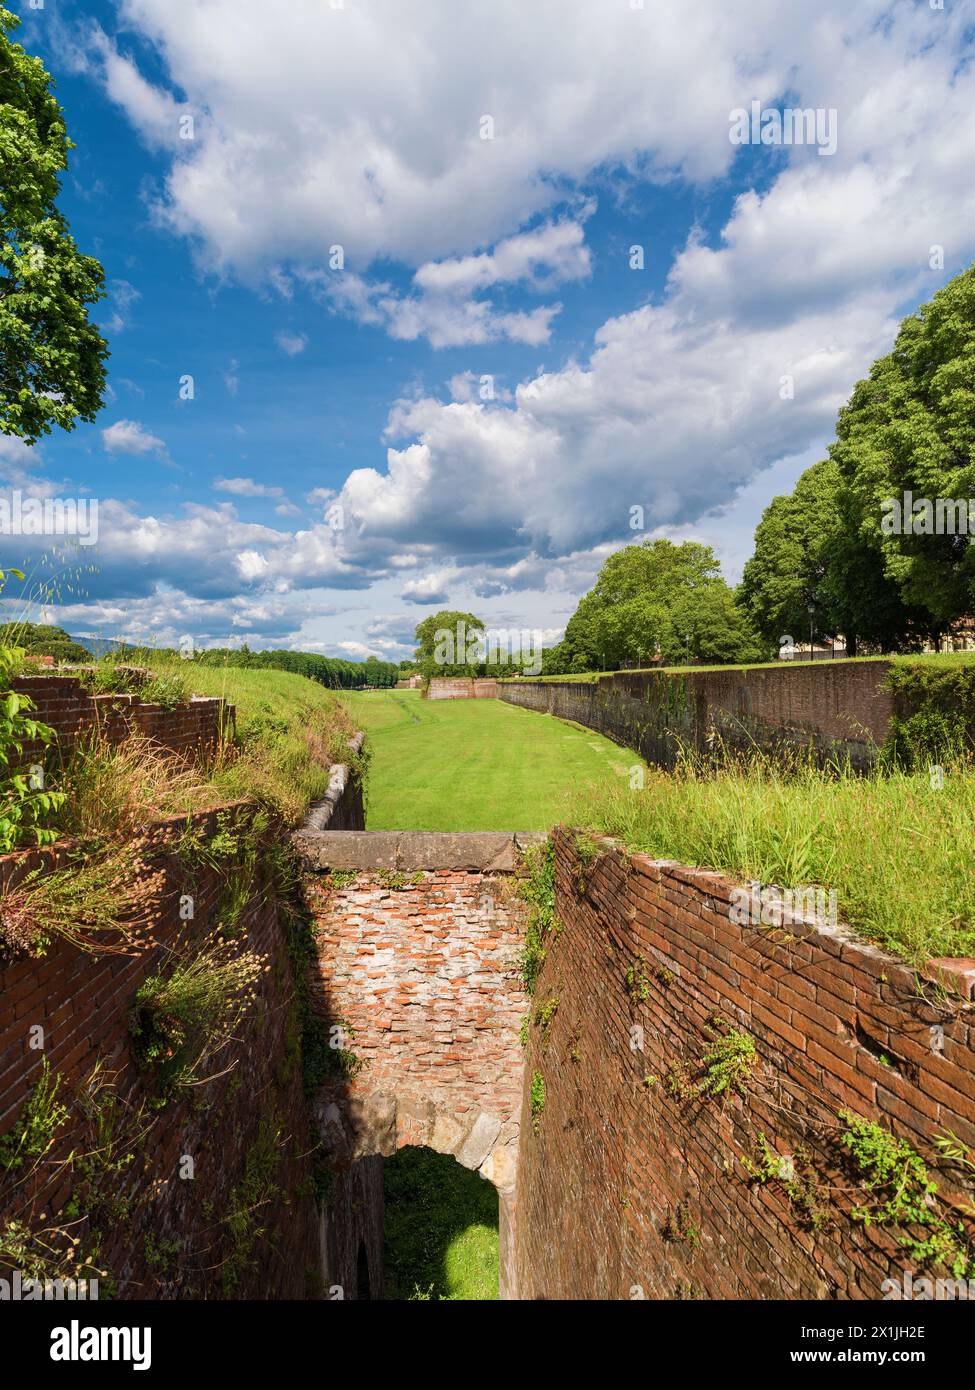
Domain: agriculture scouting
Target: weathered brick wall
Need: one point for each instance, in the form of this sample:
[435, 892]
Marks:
[633, 1183]
[417, 979]
[839, 707]
[176, 1237]
[423, 972]
[462, 688]
[194, 730]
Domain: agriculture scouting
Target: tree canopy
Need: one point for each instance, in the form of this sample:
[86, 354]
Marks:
[438, 656]
[43, 639]
[657, 599]
[910, 428]
[52, 358]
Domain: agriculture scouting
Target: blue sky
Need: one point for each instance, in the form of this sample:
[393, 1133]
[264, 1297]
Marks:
[339, 470]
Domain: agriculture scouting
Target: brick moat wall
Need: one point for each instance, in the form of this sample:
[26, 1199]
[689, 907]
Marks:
[417, 977]
[462, 688]
[172, 1234]
[632, 1182]
[193, 730]
[839, 707]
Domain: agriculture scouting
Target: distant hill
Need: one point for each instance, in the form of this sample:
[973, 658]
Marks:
[98, 646]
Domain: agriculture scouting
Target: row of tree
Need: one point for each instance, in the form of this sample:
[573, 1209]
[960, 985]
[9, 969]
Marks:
[332, 671]
[40, 639]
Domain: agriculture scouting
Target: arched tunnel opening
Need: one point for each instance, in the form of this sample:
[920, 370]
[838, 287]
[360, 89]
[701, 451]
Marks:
[440, 1238]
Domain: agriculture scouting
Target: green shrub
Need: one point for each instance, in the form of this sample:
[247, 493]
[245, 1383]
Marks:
[934, 713]
[24, 806]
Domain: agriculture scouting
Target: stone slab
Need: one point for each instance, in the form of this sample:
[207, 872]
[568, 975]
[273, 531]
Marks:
[410, 850]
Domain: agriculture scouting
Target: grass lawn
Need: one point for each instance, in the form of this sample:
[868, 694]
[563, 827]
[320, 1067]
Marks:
[441, 1229]
[474, 764]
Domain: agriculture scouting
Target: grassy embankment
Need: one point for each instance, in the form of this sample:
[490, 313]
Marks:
[288, 731]
[474, 764]
[105, 897]
[897, 849]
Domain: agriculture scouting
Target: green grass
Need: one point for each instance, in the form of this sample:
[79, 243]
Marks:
[474, 764]
[289, 730]
[897, 850]
[441, 1229]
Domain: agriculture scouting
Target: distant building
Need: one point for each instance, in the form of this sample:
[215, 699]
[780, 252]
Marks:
[960, 637]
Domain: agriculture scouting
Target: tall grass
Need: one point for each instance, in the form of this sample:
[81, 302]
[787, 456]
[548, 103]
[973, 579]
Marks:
[104, 898]
[896, 847]
[289, 731]
[113, 792]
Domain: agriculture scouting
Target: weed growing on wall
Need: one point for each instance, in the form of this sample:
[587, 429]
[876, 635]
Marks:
[243, 842]
[536, 1100]
[325, 1044]
[105, 903]
[798, 1178]
[538, 890]
[117, 1129]
[545, 1017]
[677, 1081]
[244, 1220]
[106, 1132]
[680, 1227]
[727, 1065]
[38, 1125]
[341, 878]
[638, 982]
[183, 1015]
[900, 1193]
[388, 878]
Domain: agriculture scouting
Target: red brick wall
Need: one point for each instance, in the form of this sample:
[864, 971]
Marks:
[426, 975]
[462, 688]
[83, 1004]
[628, 1190]
[841, 706]
[421, 972]
[193, 730]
